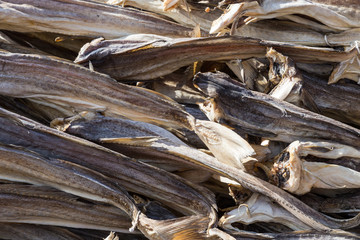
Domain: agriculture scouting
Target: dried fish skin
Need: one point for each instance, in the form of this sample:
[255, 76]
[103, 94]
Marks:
[133, 175]
[347, 69]
[47, 206]
[262, 115]
[84, 18]
[338, 101]
[174, 54]
[83, 89]
[14, 231]
[260, 209]
[338, 16]
[299, 177]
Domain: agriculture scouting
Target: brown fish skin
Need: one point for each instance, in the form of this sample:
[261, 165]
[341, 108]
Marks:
[83, 89]
[338, 101]
[161, 57]
[84, 18]
[133, 175]
[262, 115]
[31, 231]
[43, 205]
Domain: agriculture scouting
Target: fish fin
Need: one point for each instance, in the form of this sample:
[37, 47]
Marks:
[142, 141]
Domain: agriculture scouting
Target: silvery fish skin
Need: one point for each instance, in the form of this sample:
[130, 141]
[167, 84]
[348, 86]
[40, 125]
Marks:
[84, 18]
[262, 115]
[134, 59]
[133, 175]
[83, 89]
[43, 205]
[13, 231]
[338, 101]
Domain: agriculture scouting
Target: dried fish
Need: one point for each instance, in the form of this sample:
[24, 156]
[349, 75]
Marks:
[183, 16]
[260, 209]
[338, 101]
[133, 175]
[346, 203]
[134, 60]
[84, 18]
[43, 205]
[293, 174]
[83, 89]
[338, 16]
[13, 231]
[262, 115]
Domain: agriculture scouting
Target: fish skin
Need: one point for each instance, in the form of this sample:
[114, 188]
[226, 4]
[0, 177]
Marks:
[85, 18]
[262, 115]
[338, 101]
[43, 205]
[31, 231]
[18, 164]
[133, 175]
[113, 57]
[83, 89]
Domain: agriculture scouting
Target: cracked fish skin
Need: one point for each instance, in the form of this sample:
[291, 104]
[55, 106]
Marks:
[265, 116]
[84, 18]
[124, 60]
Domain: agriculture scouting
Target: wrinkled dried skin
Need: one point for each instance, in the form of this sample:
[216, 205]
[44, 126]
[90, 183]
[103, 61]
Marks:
[133, 175]
[294, 33]
[225, 19]
[30, 232]
[83, 89]
[299, 177]
[180, 15]
[144, 60]
[260, 209]
[76, 17]
[262, 115]
[345, 203]
[44, 205]
[338, 16]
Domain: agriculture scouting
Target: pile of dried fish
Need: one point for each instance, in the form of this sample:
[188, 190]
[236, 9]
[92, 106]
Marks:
[179, 119]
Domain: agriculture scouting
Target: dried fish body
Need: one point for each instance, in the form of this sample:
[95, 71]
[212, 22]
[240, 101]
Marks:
[338, 101]
[83, 89]
[120, 59]
[84, 18]
[346, 203]
[260, 209]
[132, 137]
[262, 115]
[297, 176]
[20, 165]
[43, 205]
[13, 231]
[135, 176]
[180, 15]
[338, 16]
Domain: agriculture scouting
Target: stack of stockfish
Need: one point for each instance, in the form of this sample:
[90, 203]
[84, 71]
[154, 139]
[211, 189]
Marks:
[187, 119]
